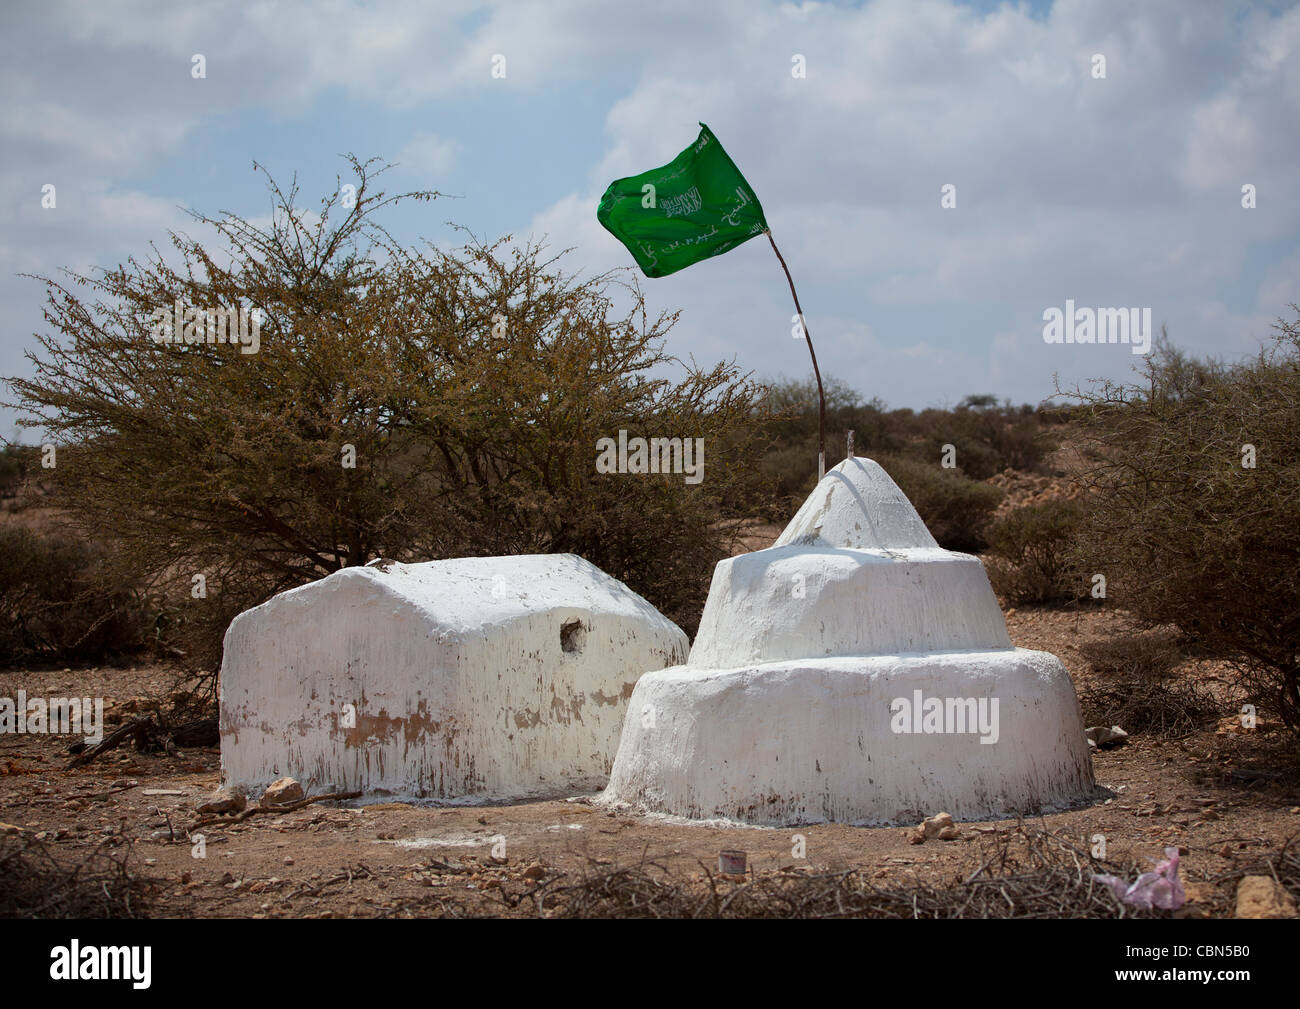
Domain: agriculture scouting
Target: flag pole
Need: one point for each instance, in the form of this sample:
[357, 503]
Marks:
[821, 396]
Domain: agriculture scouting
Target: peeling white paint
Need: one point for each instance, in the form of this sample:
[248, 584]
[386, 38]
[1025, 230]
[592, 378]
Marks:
[782, 714]
[442, 680]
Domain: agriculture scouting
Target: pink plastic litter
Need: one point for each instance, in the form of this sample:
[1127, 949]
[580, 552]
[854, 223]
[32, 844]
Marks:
[1160, 889]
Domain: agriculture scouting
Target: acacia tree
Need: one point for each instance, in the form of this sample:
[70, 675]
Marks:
[1193, 517]
[410, 404]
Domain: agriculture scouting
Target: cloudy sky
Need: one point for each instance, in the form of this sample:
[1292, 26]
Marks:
[1122, 190]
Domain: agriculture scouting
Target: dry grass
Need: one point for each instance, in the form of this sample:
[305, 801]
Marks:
[1167, 710]
[34, 884]
[1019, 873]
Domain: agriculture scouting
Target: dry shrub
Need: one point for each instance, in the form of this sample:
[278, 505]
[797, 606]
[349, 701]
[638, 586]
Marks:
[1020, 872]
[36, 884]
[1167, 710]
[1149, 655]
[1141, 693]
[60, 600]
[409, 403]
[1029, 558]
[16, 461]
[1195, 489]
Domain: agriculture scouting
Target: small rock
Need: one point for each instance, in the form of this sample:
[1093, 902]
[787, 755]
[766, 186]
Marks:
[932, 826]
[282, 790]
[1104, 738]
[225, 800]
[535, 871]
[1263, 897]
[1210, 814]
[949, 834]
[288, 860]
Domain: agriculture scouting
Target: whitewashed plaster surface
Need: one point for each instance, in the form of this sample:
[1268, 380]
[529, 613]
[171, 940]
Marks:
[786, 710]
[444, 680]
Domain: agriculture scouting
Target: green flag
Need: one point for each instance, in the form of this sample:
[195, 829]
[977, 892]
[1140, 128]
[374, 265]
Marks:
[696, 206]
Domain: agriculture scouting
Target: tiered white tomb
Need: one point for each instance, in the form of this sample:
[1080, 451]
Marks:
[853, 672]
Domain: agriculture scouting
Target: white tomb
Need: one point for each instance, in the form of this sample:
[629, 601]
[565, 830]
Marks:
[475, 678]
[853, 672]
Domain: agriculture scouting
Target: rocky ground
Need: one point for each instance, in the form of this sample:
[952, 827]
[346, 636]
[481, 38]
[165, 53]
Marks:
[1216, 794]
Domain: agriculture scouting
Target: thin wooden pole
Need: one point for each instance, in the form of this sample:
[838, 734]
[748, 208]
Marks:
[821, 395]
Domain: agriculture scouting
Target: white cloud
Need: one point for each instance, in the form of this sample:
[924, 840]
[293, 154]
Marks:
[428, 155]
[1117, 191]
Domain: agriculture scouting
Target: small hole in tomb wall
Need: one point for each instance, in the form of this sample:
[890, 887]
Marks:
[572, 635]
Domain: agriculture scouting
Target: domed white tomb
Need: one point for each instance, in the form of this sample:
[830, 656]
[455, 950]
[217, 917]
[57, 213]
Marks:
[853, 672]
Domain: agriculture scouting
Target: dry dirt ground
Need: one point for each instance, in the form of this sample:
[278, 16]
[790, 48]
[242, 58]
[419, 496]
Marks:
[1204, 793]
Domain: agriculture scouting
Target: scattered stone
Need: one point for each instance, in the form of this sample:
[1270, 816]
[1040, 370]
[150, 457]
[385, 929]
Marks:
[225, 800]
[1102, 738]
[282, 790]
[1264, 897]
[288, 860]
[1210, 814]
[535, 871]
[163, 791]
[938, 826]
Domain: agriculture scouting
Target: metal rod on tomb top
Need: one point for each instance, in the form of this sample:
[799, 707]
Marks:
[821, 395]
